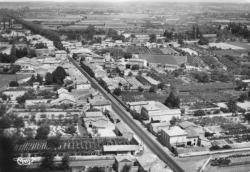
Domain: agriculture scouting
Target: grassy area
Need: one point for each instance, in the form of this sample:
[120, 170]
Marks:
[143, 96]
[5, 79]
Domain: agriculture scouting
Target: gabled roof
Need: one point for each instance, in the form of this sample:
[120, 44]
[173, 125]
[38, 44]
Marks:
[125, 158]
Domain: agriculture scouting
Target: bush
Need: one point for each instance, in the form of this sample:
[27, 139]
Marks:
[42, 132]
[199, 113]
[243, 97]
[226, 147]
[172, 101]
[140, 89]
[224, 110]
[13, 84]
[215, 147]
[216, 112]
[152, 89]
[53, 142]
[71, 130]
[117, 91]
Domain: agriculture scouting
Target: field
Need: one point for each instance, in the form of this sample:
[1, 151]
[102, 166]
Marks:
[214, 96]
[85, 146]
[226, 46]
[205, 87]
[195, 61]
[5, 79]
[144, 96]
[138, 50]
[240, 44]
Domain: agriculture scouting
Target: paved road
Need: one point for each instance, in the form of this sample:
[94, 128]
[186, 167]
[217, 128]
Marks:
[126, 117]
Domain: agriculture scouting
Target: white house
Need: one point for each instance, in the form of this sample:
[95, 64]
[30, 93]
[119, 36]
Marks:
[159, 112]
[173, 136]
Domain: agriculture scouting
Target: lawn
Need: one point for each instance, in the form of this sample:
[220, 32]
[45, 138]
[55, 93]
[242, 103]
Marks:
[6, 78]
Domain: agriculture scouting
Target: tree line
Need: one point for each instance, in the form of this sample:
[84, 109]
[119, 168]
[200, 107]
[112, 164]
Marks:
[37, 29]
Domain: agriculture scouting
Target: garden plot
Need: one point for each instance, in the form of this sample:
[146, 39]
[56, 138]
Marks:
[151, 80]
[225, 46]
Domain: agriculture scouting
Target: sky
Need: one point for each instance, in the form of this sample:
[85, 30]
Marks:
[224, 1]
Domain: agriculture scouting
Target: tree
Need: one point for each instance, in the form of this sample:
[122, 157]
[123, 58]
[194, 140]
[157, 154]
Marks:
[152, 89]
[127, 55]
[7, 154]
[28, 95]
[2, 109]
[201, 77]
[71, 130]
[161, 85]
[53, 142]
[42, 132]
[169, 35]
[140, 89]
[48, 78]
[29, 132]
[240, 85]
[48, 160]
[3, 97]
[243, 97]
[59, 75]
[203, 41]
[180, 41]
[152, 38]
[135, 67]
[199, 113]
[40, 45]
[222, 76]
[133, 36]
[96, 169]
[18, 122]
[5, 122]
[13, 84]
[172, 101]
[126, 168]
[173, 121]
[117, 91]
[232, 106]
[65, 162]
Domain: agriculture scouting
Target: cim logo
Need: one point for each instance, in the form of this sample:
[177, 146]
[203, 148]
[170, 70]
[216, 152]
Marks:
[24, 161]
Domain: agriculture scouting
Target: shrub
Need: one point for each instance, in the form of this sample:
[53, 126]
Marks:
[199, 113]
[13, 84]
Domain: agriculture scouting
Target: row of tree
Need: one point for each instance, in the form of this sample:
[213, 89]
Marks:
[37, 29]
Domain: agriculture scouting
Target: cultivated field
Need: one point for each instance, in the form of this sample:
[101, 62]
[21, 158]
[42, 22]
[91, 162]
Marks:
[226, 46]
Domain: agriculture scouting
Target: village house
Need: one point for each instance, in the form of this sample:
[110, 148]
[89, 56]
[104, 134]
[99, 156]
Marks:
[125, 160]
[156, 111]
[173, 137]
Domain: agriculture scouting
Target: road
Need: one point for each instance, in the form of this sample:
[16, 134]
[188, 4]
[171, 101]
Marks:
[126, 117]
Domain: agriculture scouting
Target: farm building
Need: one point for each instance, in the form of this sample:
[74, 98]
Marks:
[159, 112]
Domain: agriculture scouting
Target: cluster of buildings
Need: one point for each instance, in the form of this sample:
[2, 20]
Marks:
[99, 137]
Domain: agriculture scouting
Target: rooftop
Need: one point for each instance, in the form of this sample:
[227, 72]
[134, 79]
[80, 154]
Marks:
[155, 106]
[174, 131]
[120, 148]
[93, 114]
